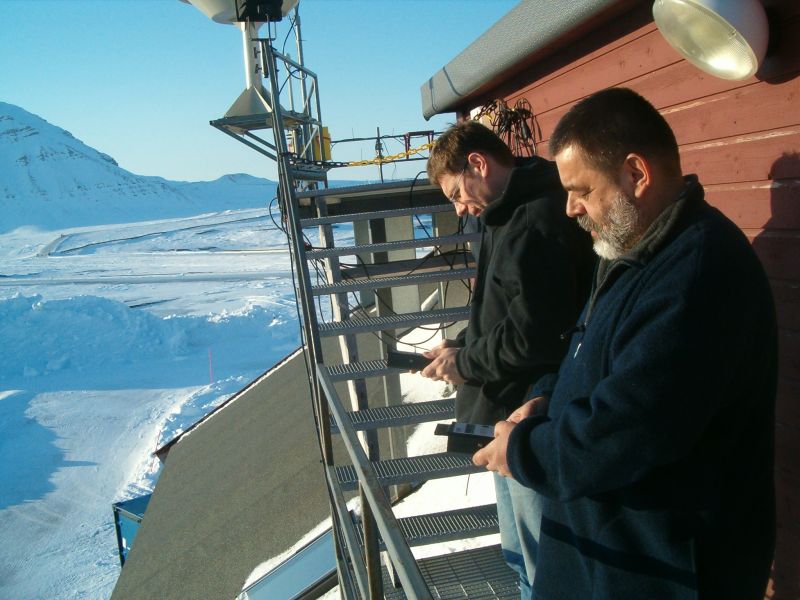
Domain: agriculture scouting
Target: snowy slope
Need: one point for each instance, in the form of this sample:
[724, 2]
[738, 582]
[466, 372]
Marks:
[113, 345]
[115, 338]
[51, 179]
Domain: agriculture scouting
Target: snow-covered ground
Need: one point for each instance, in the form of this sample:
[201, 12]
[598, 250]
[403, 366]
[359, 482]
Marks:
[114, 340]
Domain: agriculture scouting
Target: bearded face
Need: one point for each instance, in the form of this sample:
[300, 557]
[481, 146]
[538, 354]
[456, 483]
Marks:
[617, 231]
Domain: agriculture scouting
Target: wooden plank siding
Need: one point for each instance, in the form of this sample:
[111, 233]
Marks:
[743, 141]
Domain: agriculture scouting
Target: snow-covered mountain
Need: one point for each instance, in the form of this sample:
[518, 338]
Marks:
[51, 179]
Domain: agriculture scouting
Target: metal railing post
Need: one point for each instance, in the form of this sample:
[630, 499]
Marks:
[407, 569]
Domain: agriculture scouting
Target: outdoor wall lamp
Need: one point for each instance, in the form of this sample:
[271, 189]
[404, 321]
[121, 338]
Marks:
[726, 38]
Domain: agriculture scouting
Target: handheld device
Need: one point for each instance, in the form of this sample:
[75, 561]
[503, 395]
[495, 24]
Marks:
[406, 360]
[465, 437]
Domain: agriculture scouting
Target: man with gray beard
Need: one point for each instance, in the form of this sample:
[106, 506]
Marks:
[655, 455]
[615, 233]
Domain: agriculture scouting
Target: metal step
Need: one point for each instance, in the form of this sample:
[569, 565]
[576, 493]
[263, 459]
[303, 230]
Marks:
[377, 214]
[397, 245]
[394, 268]
[397, 321]
[477, 574]
[361, 370]
[358, 285]
[399, 415]
[412, 469]
[434, 528]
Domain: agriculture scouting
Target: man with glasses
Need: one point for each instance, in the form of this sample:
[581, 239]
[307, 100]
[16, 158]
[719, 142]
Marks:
[534, 273]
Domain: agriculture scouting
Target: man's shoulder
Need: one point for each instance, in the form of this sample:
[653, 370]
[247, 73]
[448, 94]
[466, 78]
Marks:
[534, 162]
[710, 254]
[534, 180]
[706, 230]
[544, 211]
[535, 172]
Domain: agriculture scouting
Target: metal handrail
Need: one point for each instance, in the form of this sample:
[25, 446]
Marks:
[396, 545]
[349, 532]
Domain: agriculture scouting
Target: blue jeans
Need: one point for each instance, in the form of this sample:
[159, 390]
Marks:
[520, 513]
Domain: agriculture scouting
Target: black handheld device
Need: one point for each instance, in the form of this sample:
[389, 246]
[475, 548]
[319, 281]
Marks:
[406, 360]
[465, 437]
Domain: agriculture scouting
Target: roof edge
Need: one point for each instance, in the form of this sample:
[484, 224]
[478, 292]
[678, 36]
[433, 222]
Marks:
[162, 451]
[528, 28]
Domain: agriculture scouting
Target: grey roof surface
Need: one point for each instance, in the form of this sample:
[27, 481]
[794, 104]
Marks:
[244, 486]
[531, 27]
[241, 488]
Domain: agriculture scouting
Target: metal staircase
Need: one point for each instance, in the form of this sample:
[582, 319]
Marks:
[395, 292]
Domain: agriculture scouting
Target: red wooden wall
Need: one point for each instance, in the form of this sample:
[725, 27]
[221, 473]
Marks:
[743, 140]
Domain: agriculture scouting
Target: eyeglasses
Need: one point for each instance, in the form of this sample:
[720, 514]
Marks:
[455, 195]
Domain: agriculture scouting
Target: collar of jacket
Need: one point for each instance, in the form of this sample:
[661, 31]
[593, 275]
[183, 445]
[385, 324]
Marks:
[528, 180]
[660, 230]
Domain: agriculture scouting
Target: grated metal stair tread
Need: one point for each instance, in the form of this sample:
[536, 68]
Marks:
[412, 469]
[400, 414]
[357, 285]
[476, 574]
[396, 245]
[360, 370]
[462, 523]
[396, 321]
[377, 214]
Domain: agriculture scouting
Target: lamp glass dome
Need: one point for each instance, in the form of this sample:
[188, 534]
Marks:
[707, 40]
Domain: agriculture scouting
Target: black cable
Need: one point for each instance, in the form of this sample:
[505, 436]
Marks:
[320, 278]
[271, 216]
[515, 126]
[305, 239]
[288, 33]
[365, 312]
[291, 73]
[411, 203]
[440, 327]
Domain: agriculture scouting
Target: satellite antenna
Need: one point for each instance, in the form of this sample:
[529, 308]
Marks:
[250, 15]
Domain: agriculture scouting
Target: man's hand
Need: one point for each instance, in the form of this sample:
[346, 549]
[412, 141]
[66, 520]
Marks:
[534, 406]
[493, 455]
[443, 366]
[445, 343]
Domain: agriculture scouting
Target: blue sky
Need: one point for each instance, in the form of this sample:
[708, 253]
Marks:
[140, 79]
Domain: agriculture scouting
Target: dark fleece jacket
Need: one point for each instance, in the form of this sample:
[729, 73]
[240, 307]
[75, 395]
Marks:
[656, 456]
[534, 274]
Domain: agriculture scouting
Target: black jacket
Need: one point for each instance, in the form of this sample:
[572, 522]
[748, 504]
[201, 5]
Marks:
[655, 458]
[534, 274]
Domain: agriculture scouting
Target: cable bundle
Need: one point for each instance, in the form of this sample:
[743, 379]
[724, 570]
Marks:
[514, 126]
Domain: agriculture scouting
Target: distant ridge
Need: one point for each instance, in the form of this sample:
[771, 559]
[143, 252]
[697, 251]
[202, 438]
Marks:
[53, 180]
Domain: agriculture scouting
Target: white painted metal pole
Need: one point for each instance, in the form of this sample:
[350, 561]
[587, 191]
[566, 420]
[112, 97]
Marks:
[252, 64]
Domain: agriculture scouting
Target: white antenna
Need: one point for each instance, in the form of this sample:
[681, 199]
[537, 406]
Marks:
[224, 11]
[253, 100]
